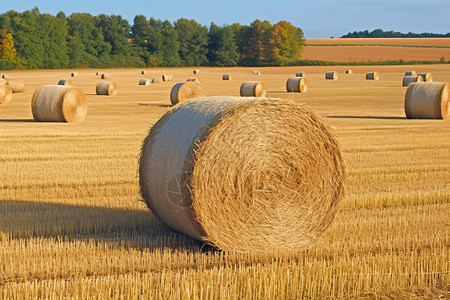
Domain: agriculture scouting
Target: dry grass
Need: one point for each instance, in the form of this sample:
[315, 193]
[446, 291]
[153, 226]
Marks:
[72, 223]
[444, 42]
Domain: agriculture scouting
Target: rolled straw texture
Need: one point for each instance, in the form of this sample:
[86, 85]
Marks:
[183, 91]
[297, 85]
[155, 80]
[410, 73]
[106, 88]
[300, 74]
[427, 100]
[58, 103]
[5, 94]
[144, 81]
[331, 75]
[243, 174]
[2, 81]
[65, 82]
[253, 89]
[18, 86]
[408, 79]
[166, 77]
[226, 77]
[427, 77]
[372, 76]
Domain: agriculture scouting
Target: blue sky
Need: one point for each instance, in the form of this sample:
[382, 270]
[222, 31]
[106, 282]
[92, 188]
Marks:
[317, 18]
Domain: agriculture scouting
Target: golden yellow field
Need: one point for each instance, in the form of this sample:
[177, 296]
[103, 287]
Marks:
[73, 225]
[379, 49]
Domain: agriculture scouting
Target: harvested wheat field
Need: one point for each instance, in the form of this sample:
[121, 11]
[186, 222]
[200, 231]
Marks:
[74, 225]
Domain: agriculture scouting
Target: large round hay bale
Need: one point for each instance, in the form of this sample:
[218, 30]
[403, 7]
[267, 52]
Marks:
[104, 76]
[58, 103]
[256, 72]
[246, 175]
[196, 71]
[106, 88]
[144, 81]
[195, 79]
[226, 77]
[408, 79]
[74, 74]
[253, 89]
[65, 82]
[410, 73]
[427, 100]
[155, 80]
[5, 94]
[297, 85]
[18, 86]
[427, 77]
[332, 75]
[372, 76]
[300, 74]
[183, 91]
[5, 76]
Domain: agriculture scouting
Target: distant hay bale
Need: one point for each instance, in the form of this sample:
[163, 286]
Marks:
[427, 77]
[105, 76]
[196, 71]
[74, 74]
[155, 80]
[5, 76]
[195, 79]
[143, 72]
[297, 85]
[332, 75]
[5, 94]
[408, 79]
[106, 88]
[256, 72]
[372, 76]
[348, 71]
[144, 81]
[96, 73]
[183, 91]
[253, 89]
[243, 174]
[167, 77]
[18, 86]
[410, 73]
[226, 77]
[58, 103]
[300, 74]
[65, 82]
[427, 100]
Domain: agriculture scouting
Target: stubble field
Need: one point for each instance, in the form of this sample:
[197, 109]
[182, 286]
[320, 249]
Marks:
[72, 223]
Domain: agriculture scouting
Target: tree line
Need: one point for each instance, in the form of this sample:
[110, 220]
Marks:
[379, 33]
[34, 40]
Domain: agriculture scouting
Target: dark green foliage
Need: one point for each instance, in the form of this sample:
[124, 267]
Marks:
[379, 33]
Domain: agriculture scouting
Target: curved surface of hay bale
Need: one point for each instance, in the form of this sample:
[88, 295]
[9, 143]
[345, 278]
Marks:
[408, 79]
[410, 73]
[144, 81]
[332, 75]
[243, 174]
[427, 100]
[65, 82]
[253, 89]
[5, 94]
[196, 71]
[74, 74]
[372, 76]
[104, 76]
[17, 86]
[427, 77]
[256, 72]
[297, 85]
[300, 74]
[155, 80]
[348, 71]
[167, 77]
[4, 76]
[143, 72]
[2, 81]
[195, 79]
[183, 91]
[106, 88]
[58, 103]
[226, 77]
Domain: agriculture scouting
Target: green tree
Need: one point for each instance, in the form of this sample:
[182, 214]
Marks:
[7, 49]
[222, 46]
[193, 41]
[289, 42]
[140, 33]
[169, 48]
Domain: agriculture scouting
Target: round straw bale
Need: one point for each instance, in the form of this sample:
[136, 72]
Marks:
[247, 175]
[194, 79]
[372, 76]
[143, 72]
[18, 86]
[427, 77]
[256, 72]
[106, 88]
[155, 80]
[96, 73]
[4, 76]
[332, 75]
[196, 71]
[58, 103]
[2, 81]
[253, 89]
[300, 74]
[144, 81]
[183, 91]
[349, 72]
[427, 100]
[410, 73]
[226, 77]
[5, 94]
[105, 76]
[65, 82]
[408, 79]
[74, 74]
[166, 77]
[297, 84]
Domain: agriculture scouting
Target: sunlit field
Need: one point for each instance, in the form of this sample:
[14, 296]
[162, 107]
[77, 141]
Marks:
[73, 224]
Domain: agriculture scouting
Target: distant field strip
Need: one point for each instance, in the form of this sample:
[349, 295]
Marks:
[376, 45]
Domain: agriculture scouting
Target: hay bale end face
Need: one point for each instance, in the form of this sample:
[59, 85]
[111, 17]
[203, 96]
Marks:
[297, 85]
[4, 76]
[58, 103]
[17, 86]
[106, 88]
[196, 71]
[144, 81]
[410, 73]
[5, 94]
[349, 72]
[104, 76]
[408, 79]
[155, 80]
[256, 72]
[167, 77]
[427, 100]
[253, 89]
[331, 75]
[427, 77]
[226, 170]
[65, 82]
[183, 91]
[143, 72]
[74, 74]
[226, 77]
[372, 76]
